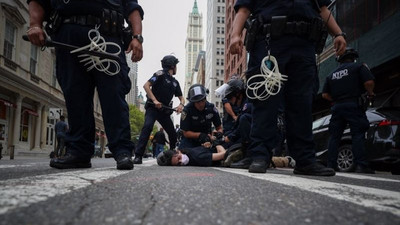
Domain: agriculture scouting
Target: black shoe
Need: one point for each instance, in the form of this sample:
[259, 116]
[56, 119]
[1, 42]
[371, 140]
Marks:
[258, 166]
[314, 169]
[335, 168]
[364, 169]
[124, 161]
[137, 160]
[242, 164]
[70, 161]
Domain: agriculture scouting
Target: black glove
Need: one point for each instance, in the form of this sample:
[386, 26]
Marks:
[218, 135]
[203, 137]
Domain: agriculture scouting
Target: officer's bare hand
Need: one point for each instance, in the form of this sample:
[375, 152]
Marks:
[179, 109]
[36, 35]
[236, 46]
[339, 45]
[157, 104]
[137, 50]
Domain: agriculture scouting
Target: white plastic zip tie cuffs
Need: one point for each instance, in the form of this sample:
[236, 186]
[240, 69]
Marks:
[98, 43]
[271, 82]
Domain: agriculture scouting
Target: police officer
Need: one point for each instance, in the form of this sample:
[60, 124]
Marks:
[289, 31]
[232, 104]
[344, 88]
[197, 118]
[74, 21]
[160, 89]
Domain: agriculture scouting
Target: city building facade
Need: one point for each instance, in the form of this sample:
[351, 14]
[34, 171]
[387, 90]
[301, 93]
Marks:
[31, 100]
[193, 45]
[215, 48]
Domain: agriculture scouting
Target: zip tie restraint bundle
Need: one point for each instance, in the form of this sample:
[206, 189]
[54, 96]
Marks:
[98, 43]
[270, 82]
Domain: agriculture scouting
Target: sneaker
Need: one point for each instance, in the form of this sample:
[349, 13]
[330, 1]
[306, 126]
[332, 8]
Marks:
[314, 169]
[233, 157]
[258, 166]
[364, 169]
[137, 160]
[124, 161]
[70, 161]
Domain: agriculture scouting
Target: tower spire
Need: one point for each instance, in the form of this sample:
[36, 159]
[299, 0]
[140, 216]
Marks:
[195, 9]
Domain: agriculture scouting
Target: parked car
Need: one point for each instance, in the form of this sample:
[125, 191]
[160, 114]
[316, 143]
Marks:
[382, 141]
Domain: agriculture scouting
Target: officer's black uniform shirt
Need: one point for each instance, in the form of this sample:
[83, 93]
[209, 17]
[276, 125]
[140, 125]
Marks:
[200, 121]
[347, 81]
[164, 87]
[294, 9]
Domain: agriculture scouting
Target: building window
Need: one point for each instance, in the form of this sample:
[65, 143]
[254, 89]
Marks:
[34, 56]
[9, 40]
[24, 127]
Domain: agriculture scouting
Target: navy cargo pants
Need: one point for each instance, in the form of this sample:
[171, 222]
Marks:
[79, 87]
[296, 59]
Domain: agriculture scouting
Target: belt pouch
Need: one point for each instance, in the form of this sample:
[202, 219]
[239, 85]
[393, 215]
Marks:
[106, 22]
[278, 24]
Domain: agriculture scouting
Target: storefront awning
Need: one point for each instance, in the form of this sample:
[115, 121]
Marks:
[31, 112]
[7, 103]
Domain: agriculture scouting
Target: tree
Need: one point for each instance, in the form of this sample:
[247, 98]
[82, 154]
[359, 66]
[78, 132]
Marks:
[136, 120]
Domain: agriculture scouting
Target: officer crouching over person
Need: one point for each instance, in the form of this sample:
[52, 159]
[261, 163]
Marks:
[197, 119]
[86, 24]
[344, 87]
[160, 90]
[291, 33]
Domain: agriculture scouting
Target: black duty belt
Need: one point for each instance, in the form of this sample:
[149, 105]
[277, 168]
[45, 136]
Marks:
[87, 20]
[111, 22]
[300, 28]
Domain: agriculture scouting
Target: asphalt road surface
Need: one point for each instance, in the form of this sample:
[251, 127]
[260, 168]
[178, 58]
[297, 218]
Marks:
[33, 193]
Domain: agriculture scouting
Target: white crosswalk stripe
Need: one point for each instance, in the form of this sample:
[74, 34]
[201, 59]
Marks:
[378, 199]
[22, 192]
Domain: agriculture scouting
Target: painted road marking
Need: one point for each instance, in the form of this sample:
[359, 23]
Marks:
[22, 192]
[382, 200]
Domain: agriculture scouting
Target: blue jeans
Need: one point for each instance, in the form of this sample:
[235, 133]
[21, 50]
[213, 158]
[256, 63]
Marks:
[159, 149]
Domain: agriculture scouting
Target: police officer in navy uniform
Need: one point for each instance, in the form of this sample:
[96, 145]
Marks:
[71, 26]
[197, 118]
[289, 30]
[160, 89]
[344, 88]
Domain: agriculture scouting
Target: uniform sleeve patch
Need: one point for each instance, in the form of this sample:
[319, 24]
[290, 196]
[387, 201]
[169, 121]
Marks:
[215, 109]
[183, 115]
[160, 72]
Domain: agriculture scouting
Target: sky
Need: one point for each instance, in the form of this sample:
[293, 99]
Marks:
[164, 31]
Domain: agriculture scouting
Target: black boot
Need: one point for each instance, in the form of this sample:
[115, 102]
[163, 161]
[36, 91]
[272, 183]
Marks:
[137, 160]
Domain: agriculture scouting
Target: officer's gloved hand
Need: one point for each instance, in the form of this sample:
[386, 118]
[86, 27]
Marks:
[203, 137]
[218, 135]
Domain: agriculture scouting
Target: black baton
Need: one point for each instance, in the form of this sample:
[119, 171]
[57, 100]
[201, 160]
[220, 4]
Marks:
[51, 43]
[163, 106]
